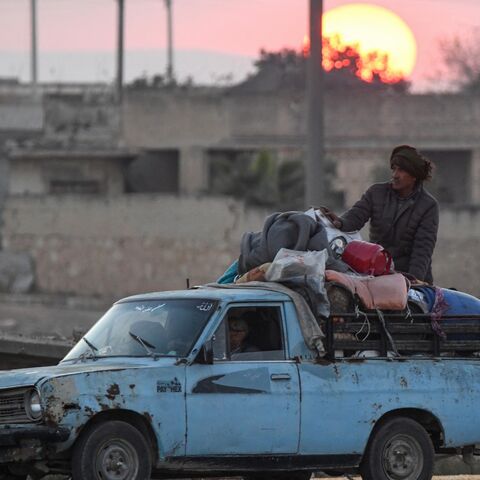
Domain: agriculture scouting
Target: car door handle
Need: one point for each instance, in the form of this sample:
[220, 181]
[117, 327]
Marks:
[280, 376]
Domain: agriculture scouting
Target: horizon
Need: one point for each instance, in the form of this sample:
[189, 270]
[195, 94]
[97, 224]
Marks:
[212, 29]
[203, 67]
[99, 66]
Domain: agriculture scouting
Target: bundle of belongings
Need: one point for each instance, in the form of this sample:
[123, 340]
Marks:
[337, 273]
[293, 230]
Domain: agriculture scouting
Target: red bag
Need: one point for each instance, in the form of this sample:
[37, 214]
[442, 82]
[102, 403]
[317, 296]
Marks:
[366, 257]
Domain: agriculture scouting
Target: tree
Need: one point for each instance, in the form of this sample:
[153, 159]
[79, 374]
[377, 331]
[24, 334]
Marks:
[262, 180]
[344, 68]
[461, 56]
[252, 177]
[372, 67]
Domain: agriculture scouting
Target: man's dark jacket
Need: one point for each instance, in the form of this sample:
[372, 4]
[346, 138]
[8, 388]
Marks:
[406, 228]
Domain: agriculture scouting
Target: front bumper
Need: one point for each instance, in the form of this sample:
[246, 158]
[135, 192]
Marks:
[33, 442]
[11, 436]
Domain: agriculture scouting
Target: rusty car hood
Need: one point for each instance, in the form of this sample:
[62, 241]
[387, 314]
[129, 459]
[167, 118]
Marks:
[31, 376]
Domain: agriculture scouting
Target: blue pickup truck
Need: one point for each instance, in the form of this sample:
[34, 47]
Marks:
[226, 381]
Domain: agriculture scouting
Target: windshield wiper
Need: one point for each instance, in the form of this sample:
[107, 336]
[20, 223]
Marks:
[92, 347]
[147, 346]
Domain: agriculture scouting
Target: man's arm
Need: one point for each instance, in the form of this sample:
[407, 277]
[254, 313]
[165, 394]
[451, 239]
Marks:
[424, 243]
[357, 216]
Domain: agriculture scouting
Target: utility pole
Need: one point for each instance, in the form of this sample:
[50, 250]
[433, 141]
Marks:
[34, 51]
[170, 74]
[120, 49]
[315, 184]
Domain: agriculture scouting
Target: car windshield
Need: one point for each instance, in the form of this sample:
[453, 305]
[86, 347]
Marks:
[146, 328]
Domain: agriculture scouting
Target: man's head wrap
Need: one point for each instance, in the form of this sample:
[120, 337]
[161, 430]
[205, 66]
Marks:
[412, 161]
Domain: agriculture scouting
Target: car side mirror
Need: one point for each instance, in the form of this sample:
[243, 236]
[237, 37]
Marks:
[205, 355]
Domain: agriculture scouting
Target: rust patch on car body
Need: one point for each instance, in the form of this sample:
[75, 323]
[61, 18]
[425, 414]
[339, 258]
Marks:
[113, 391]
[89, 411]
[148, 416]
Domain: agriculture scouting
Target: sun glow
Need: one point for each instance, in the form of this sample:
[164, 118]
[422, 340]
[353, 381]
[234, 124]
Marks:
[383, 40]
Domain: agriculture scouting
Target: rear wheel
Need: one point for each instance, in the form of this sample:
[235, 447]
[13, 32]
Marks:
[400, 449]
[112, 450]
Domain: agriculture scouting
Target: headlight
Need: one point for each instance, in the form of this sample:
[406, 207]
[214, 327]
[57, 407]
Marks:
[33, 405]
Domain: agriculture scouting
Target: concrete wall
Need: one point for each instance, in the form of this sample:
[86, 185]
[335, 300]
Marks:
[456, 261]
[21, 113]
[126, 244]
[429, 121]
[129, 244]
[84, 118]
[352, 121]
[356, 170]
[33, 175]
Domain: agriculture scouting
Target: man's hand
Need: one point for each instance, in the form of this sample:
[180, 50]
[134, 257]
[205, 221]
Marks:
[332, 216]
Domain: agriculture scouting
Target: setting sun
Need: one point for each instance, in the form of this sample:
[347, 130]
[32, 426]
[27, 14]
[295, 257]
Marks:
[373, 29]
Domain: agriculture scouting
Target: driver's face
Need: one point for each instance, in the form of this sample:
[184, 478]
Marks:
[237, 337]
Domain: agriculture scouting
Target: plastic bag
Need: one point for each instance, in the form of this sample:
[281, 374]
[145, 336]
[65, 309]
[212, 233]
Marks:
[292, 263]
[332, 231]
[302, 269]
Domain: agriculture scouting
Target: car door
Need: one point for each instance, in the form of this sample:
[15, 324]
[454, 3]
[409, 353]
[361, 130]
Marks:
[246, 403]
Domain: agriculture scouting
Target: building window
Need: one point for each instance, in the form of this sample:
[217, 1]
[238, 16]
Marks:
[452, 179]
[154, 171]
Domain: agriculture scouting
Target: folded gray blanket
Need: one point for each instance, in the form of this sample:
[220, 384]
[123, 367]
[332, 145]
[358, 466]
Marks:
[293, 230]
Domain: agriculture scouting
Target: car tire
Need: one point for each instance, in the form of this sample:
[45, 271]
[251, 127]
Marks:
[112, 450]
[400, 449]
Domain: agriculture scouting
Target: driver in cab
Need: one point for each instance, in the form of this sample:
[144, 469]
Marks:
[238, 331]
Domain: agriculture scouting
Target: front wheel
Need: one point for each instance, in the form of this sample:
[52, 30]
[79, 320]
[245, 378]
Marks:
[400, 449]
[112, 450]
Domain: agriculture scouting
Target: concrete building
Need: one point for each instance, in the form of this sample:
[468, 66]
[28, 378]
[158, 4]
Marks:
[360, 133]
[164, 141]
[114, 200]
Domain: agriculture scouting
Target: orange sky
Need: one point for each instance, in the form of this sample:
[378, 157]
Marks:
[231, 26]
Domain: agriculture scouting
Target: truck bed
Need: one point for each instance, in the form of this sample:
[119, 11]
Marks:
[400, 335]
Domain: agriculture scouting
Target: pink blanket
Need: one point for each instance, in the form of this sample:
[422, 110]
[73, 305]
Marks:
[387, 292]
